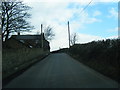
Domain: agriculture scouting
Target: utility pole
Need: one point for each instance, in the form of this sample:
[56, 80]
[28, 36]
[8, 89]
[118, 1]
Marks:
[69, 33]
[41, 36]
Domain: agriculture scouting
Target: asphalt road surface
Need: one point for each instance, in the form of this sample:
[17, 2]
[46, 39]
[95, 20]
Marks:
[61, 71]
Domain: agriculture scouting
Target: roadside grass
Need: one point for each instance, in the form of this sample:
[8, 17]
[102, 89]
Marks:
[102, 67]
[103, 56]
[15, 60]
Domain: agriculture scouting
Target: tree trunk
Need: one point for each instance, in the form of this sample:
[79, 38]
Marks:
[7, 35]
[7, 26]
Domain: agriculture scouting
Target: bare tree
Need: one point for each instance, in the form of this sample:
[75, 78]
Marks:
[73, 38]
[14, 15]
[48, 32]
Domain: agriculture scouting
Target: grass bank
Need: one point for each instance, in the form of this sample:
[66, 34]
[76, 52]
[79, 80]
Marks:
[102, 56]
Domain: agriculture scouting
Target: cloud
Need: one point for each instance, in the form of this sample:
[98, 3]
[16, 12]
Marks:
[112, 37]
[59, 13]
[56, 15]
[113, 13]
[63, 42]
[93, 20]
[97, 13]
[116, 30]
[113, 30]
[81, 1]
[107, 0]
[82, 38]
[85, 38]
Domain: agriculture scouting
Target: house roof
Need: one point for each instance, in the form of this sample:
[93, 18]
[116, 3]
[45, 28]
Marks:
[24, 37]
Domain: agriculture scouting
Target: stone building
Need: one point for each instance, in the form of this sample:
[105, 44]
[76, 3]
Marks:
[27, 41]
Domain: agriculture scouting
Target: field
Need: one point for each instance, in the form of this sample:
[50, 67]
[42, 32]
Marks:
[15, 60]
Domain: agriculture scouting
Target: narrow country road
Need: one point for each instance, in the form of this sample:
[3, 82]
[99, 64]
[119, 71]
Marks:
[61, 71]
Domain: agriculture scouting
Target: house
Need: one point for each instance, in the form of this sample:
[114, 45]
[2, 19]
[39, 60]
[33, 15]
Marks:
[12, 43]
[27, 41]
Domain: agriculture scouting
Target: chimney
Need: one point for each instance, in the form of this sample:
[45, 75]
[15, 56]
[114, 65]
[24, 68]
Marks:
[18, 32]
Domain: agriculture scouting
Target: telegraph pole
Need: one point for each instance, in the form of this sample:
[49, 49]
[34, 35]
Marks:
[41, 36]
[69, 33]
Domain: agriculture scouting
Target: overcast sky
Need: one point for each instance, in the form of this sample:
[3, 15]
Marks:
[98, 21]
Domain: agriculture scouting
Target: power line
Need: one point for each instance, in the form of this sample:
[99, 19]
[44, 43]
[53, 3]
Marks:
[68, 21]
[86, 6]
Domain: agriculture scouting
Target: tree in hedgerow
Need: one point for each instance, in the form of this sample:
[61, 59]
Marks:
[73, 38]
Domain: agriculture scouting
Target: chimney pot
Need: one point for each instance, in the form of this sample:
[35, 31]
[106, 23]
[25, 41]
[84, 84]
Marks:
[18, 33]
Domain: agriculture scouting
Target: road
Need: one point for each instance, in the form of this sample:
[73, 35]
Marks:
[61, 71]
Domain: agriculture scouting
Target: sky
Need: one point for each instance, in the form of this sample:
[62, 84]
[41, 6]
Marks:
[98, 21]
